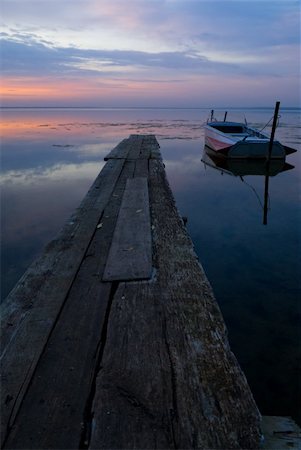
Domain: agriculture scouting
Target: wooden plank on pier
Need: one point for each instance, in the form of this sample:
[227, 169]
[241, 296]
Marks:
[62, 255]
[31, 310]
[169, 379]
[130, 256]
[120, 151]
[117, 364]
[133, 406]
[137, 150]
[136, 147]
[59, 393]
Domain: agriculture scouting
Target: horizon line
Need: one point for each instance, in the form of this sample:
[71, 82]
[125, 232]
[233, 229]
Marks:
[146, 107]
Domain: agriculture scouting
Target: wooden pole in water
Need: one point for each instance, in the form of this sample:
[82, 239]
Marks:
[266, 184]
[273, 130]
[225, 116]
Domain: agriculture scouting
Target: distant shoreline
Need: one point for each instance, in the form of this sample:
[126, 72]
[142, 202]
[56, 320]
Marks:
[238, 108]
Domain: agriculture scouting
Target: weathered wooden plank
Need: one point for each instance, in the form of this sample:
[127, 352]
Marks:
[150, 145]
[215, 407]
[130, 256]
[149, 148]
[69, 362]
[133, 405]
[176, 383]
[52, 412]
[72, 239]
[206, 371]
[154, 148]
[31, 310]
[120, 151]
[136, 147]
[141, 168]
[135, 151]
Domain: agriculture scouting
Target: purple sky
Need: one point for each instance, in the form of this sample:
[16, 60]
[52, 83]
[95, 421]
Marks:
[179, 53]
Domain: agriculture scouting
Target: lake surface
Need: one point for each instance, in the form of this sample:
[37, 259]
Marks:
[51, 157]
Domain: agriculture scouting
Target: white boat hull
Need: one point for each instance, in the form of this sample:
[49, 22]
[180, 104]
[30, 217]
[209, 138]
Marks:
[217, 141]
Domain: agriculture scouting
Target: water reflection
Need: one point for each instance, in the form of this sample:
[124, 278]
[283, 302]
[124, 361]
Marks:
[51, 157]
[244, 167]
[36, 203]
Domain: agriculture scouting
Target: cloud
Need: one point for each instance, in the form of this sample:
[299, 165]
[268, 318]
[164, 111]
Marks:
[28, 56]
[122, 47]
[157, 25]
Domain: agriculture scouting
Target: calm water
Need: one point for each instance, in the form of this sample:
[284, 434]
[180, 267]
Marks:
[51, 157]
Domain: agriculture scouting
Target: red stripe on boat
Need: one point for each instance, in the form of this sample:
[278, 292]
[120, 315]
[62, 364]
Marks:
[217, 145]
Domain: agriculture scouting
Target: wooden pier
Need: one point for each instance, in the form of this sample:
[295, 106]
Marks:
[113, 339]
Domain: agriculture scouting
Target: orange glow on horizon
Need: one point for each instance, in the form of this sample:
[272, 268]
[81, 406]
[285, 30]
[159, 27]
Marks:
[37, 88]
[23, 91]
[145, 89]
[60, 91]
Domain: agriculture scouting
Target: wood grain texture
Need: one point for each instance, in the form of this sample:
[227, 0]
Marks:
[214, 404]
[63, 251]
[130, 256]
[30, 312]
[141, 168]
[58, 396]
[133, 406]
[168, 379]
[120, 151]
[136, 147]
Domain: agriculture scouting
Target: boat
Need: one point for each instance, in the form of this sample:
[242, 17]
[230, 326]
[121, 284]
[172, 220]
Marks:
[239, 140]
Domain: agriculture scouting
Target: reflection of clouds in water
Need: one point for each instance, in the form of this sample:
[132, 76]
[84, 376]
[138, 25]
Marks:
[86, 149]
[189, 163]
[182, 173]
[58, 172]
[38, 201]
[94, 149]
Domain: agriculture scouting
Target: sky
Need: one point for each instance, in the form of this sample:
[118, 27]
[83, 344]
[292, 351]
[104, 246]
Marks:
[150, 53]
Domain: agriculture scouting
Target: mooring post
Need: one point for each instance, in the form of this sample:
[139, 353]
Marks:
[225, 116]
[266, 184]
[273, 130]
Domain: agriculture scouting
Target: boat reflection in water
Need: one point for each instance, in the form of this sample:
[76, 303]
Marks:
[243, 167]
